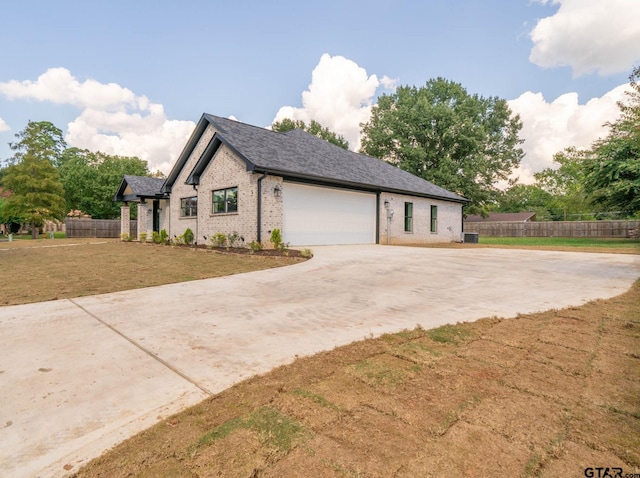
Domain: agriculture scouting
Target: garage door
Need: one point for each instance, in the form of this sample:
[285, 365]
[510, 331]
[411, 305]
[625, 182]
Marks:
[315, 215]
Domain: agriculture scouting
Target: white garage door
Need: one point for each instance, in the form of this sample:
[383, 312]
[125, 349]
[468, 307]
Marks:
[316, 215]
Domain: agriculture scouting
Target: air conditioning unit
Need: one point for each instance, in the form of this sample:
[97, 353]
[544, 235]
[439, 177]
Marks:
[470, 237]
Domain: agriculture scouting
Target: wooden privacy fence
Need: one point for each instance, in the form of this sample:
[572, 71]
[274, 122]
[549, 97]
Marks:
[609, 229]
[78, 227]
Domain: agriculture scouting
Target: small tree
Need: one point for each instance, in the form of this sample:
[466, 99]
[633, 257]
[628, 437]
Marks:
[37, 194]
[188, 236]
[276, 238]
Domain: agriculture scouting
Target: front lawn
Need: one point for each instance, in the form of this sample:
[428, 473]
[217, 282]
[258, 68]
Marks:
[45, 269]
[585, 244]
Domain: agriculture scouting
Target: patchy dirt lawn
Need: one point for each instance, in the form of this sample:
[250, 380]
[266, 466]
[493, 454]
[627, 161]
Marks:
[546, 394]
[35, 271]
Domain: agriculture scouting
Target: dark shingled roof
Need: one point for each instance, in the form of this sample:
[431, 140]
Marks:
[142, 187]
[299, 155]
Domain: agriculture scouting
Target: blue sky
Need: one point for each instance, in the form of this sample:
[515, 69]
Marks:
[133, 77]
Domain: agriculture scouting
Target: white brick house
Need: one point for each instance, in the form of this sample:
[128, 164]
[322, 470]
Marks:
[234, 177]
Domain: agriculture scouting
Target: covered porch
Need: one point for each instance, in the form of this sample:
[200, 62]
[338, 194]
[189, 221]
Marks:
[152, 205]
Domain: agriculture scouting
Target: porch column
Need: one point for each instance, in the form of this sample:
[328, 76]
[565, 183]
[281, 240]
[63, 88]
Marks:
[125, 218]
[143, 220]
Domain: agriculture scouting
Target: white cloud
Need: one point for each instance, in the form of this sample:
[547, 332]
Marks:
[339, 97]
[58, 86]
[150, 137]
[549, 127]
[589, 35]
[4, 126]
[113, 119]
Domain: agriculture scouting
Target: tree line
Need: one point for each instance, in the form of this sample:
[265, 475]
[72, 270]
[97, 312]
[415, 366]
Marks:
[45, 178]
[602, 181]
[463, 142]
[469, 144]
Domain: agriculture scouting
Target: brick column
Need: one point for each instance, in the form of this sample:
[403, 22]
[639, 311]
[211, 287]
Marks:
[142, 218]
[125, 218]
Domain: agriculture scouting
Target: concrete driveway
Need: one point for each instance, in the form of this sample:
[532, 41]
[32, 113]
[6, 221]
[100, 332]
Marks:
[78, 376]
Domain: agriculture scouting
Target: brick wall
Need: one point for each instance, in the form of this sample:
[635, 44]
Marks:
[176, 224]
[225, 170]
[449, 220]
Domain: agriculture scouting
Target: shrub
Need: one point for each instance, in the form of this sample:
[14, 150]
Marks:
[233, 238]
[155, 237]
[164, 237]
[255, 246]
[126, 237]
[219, 239]
[143, 237]
[284, 248]
[276, 238]
[188, 236]
[306, 253]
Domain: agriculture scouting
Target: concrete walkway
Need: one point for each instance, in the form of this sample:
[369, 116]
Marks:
[78, 376]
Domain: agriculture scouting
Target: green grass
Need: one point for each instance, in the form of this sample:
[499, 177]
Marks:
[319, 399]
[26, 237]
[449, 334]
[274, 429]
[561, 242]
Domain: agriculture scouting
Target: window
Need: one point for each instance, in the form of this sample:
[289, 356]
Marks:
[408, 217]
[434, 218]
[225, 200]
[189, 207]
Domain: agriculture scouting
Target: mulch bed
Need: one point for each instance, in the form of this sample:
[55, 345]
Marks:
[247, 251]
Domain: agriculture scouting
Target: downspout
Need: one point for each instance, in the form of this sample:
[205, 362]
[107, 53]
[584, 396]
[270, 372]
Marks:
[264, 175]
[462, 223]
[378, 217]
[195, 187]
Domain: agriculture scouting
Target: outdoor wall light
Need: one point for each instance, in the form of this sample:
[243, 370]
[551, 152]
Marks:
[386, 203]
[277, 191]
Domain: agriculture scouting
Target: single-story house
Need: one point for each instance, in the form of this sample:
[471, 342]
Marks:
[503, 217]
[234, 177]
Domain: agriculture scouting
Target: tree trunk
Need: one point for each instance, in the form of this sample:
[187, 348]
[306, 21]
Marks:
[34, 231]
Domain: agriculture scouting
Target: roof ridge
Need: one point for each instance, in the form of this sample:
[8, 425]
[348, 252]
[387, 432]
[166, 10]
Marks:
[238, 122]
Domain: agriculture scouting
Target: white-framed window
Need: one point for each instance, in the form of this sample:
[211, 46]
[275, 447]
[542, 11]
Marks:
[225, 200]
[189, 206]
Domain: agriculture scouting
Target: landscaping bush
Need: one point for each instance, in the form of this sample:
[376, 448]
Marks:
[219, 239]
[233, 239]
[188, 236]
[255, 246]
[276, 238]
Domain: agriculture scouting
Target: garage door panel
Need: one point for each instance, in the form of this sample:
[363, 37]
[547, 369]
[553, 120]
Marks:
[315, 215]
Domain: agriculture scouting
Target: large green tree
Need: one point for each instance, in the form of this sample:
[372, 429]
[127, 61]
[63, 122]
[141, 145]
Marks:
[36, 192]
[565, 185]
[525, 197]
[91, 179]
[464, 143]
[612, 169]
[313, 128]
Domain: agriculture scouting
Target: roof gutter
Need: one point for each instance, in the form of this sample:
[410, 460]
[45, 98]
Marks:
[287, 175]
